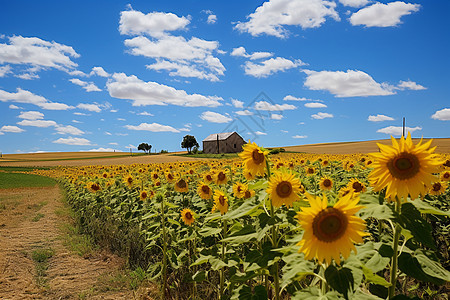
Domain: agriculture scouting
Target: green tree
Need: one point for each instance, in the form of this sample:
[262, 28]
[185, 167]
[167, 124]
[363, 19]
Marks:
[145, 147]
[188, 142]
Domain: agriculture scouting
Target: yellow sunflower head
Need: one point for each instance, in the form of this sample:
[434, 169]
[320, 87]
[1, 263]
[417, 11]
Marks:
[187, 216]
[356, 185]
[330, 231]
[220, 201]
[181, 185]
[239, 189]
[404, 168]
[326, 183]
[283, 189]
[170, 177]
[93, 187]
[445, 176]
[128, 179]
[221, 177]
[254, 158]
[208, 177]
[438, 188]
[143, 195]
[249, 193]
[204, 191]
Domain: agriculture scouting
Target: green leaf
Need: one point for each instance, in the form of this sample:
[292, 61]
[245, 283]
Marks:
[360, 295]
[411, 219]
[296, 268]
[244, 210]
[201, 260]
[174, 222]
[374, 278]
[403, 297]
[426, 208]
[200, 276]
[216, 264]
[260, 293]
[313, 293]
[339, 279]
[377, 211]
[208, 231]
[410, 265]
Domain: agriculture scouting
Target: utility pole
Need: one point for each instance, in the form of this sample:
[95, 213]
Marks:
[403, 127]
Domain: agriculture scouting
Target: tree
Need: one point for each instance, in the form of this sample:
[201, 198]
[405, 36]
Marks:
[188, 142]
[145, 147]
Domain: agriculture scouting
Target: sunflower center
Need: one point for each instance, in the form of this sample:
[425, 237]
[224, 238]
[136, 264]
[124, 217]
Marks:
[247, 194]
[437, 186]
[329, 225]
[239, 189]
[208, 177]
[95, 187]
[257, 156]
[170, 176]
[205, 189]
[144, 195]
[155, 176]
[446, 175]
[188, 215]
[357, 186]
[222, 200]
[310, 171]
[130, 180]
[327, 183]
[284, 189]
[221, 176]
[181, 183]
[404, 166]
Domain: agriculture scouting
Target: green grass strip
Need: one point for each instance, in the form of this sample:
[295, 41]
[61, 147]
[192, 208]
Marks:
[19, 180]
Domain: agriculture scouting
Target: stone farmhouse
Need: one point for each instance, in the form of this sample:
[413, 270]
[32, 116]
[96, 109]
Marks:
[226, 142]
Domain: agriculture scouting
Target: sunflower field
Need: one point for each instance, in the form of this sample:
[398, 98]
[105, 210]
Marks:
[277, 226]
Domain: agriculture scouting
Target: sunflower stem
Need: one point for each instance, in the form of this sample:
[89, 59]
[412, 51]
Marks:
[276, 279]
[164, 267]
[397, 232]
[222, 270]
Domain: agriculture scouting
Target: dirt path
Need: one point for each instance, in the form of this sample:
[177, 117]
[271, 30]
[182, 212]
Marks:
[29, 226]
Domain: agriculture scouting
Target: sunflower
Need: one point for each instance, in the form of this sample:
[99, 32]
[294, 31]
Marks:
[283, 189]
[221, 177]
[187, 216]
[239, 189]
[438, 188]
[220, 202]
[249, 193]
[445, 176]
[326, 184]
[310, 171]
[208, 178]
[248, 175]
[93, 187]
[170, 177]
[181, 185]
[154, 176]
[128, 180]
[330, 231]
[254, 158]
[356, 185]
[404, 168]
[143, 195]
[204, 191]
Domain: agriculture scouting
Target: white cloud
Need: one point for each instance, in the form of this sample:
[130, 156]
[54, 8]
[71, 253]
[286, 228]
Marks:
[270, 66]
[379, 118]
[80, 114]
[24, 96]
[99, 71]
[299, 136]
[284, 131]
[398, 130]
[237, 103]
[144, 113]
[354, 3]
[73, 141]
[13, 129]
[37, 52]
[276, 116]
[37, 123]
[104, 150]
[155, 24]
[264, 105]
[315, 105]
[244, 113]
[321, 115]
[5, 70]
[212, 19]
[383, 15]
[240, 51]
[274, 14]
[89, 107]
[214, 117]
[27, 76]
[154, 127]
[113, 143]
[443, 114]
[346, 84]
[152, 93]
[410, 85]
[88, 86]
[260, 133]
[76, 121]
[292, 98]
[69, 129]
[31, 115]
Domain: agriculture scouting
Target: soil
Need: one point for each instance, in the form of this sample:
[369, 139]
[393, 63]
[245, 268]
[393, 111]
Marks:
[29, 221]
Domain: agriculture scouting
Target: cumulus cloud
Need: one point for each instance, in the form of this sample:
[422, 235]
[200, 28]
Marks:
[354, 3]
[38, 53]
[90, 107]
[104, 150]
[237, 103]
[144, 113]
[244, 113]
[155, 24]
[24, 96]
[299, 136]
[379, 118]
[12, 106]
[315, 105]
[321, 115]
[270, 66]
[153, 127]
[214, 117]
[271, 17]
[398, 130]
[241, 52]
[352, 83]
[5, 70]
[292, 98]
[69, 129]
[73, 141]
[152, 93]
[99, 71]
[212, 19]
[383, 15]
[9, 128]
[88, 86]
[260, 133]
[442, 115]
[38, 123]
[410, 85]
[276, 116]
[31, 115]
[264, 105]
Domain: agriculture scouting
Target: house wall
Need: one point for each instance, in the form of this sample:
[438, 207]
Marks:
[232, 144]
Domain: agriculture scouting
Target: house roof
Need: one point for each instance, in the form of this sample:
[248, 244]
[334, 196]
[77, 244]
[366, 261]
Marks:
[222, 136]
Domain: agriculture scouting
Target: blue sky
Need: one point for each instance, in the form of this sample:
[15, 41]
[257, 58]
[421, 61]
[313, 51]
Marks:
[104, 75]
